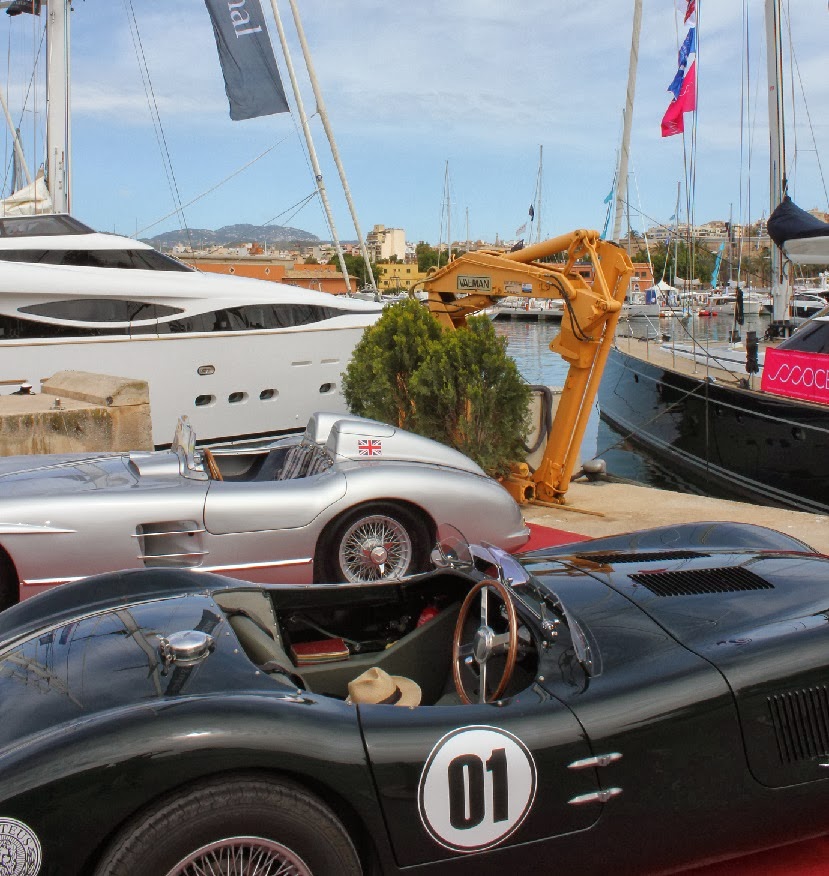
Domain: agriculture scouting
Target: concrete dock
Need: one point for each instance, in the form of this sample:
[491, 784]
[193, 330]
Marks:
[601, 508]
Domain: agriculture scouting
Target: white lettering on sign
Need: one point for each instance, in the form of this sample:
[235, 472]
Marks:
[239, 16]
[476, 788]
[474, 284]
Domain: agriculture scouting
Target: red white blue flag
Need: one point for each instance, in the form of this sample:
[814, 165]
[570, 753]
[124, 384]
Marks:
[684, 84]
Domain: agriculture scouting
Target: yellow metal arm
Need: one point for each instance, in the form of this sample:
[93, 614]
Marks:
[476, 280]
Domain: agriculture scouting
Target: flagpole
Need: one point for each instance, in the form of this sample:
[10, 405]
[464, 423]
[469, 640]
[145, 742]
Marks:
[312, 152]
[624, 152]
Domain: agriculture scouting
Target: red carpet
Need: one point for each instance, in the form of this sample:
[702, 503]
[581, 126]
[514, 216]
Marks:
[810, 858]
[546, 536]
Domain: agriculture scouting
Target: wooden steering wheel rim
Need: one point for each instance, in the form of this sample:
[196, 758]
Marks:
[211, 465]
[512, 650]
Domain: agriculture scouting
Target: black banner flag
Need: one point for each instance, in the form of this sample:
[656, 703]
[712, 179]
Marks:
[249, 68]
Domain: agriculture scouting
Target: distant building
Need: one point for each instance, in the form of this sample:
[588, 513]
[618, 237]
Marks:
[391, 276]
[384, 244]
[322, 278]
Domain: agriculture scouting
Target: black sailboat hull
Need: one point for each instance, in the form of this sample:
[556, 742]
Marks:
[725, 440]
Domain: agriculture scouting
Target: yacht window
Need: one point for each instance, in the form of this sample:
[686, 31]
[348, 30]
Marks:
[37, 226]
[100, 310]
[813, 337]
[123, 259]
[12, 328]
[251, 317]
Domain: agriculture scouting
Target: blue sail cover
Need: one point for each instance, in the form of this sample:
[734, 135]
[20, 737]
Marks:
[803, 238]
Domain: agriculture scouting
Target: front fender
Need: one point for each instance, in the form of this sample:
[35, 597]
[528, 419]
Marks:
[84, 780]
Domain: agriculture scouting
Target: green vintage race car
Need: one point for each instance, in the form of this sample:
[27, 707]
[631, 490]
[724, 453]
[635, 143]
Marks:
[657, 699]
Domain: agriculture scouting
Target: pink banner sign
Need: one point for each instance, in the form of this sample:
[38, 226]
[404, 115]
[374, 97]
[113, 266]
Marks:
[797, 375]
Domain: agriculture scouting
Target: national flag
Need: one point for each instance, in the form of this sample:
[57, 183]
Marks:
[521, 230]
[369, 447]
[609, 197]
[691, 10]
[686, 102]
[532, 212]
[251, 77]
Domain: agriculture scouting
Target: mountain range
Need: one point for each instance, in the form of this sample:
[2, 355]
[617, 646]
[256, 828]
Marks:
[231, 235]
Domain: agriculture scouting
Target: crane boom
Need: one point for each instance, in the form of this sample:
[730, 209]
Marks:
[475, 280]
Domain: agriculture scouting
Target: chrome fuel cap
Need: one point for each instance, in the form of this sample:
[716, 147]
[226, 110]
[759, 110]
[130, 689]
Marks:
[186, 647]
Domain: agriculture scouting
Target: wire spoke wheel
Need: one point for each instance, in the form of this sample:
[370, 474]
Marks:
[242, 856]
[375, 548]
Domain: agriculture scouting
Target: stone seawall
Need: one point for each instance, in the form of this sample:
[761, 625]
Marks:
[77, 412]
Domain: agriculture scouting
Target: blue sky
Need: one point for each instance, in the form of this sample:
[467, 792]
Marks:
[408, 86]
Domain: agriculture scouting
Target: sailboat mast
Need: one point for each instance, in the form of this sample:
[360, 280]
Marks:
[332, 142]
[777, 147]
[58, 120]
[624, 152]
[312, 152]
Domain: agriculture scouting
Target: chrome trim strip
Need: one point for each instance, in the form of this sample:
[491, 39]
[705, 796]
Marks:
[595, 797]
[41, 582]
[600, 760]
[172, 556]
[171, 532]
[32, 529]
[266, 565]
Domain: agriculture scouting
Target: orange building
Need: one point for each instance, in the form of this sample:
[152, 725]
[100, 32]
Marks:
[321, 278]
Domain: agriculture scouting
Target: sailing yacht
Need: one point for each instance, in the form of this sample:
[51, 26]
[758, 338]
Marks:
[693, 408]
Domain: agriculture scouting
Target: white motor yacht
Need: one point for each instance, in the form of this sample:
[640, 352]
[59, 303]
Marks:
[240, 357]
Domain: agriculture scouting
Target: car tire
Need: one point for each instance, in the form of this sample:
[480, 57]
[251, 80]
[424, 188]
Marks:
[401, 534]
[238, 816]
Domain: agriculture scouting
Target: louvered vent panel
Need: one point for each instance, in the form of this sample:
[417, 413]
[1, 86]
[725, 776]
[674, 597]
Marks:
[693, 582]
[643, 557]
[801, 723]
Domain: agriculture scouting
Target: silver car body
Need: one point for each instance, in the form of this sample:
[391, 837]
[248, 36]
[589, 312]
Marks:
[269, 519]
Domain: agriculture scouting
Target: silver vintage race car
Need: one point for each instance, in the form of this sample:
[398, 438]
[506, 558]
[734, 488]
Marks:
[348, 500]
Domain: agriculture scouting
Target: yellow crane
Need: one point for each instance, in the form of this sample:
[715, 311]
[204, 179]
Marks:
[476, 280]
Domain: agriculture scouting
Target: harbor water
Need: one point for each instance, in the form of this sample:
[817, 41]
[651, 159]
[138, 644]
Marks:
[528, 343]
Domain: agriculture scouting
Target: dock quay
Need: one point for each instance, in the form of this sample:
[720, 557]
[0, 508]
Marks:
[531, 310]
[605, 507]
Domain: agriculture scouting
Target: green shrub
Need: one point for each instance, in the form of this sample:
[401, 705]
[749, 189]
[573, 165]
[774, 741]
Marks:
[459, 387]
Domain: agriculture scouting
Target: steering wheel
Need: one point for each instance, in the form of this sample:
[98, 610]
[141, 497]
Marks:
[474, 655]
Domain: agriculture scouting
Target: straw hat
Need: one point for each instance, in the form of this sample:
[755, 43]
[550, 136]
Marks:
[378, 687]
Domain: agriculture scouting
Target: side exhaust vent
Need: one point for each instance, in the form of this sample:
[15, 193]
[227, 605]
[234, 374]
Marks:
[642, 557]
[695, 582]
[801, 723]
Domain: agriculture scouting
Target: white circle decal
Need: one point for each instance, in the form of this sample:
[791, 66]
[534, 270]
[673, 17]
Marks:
[476, 788]
[19, 849]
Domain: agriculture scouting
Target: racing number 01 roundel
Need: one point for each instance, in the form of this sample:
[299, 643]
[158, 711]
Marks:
[476, 788]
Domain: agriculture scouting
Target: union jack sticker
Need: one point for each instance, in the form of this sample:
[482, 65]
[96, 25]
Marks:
[369, 447]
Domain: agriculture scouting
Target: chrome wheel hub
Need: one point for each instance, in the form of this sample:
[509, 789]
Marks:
[242, 856]
[375, 548]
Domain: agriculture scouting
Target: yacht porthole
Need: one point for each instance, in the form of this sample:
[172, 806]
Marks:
[203, 401]
[236, 398]
[797, 433]
[268, 394]
[326, 388]
[205, 370]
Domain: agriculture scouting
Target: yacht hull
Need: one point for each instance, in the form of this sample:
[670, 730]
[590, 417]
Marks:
[230, 385]
[725, 440]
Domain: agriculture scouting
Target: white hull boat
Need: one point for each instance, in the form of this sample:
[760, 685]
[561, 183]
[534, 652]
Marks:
[240, 357]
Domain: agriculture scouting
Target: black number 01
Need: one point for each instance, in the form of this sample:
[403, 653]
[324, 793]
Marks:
[471, 790]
